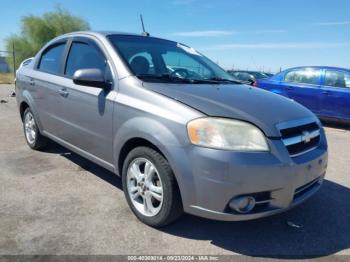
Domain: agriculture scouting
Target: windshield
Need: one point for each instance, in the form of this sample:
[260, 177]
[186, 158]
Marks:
[153, 60]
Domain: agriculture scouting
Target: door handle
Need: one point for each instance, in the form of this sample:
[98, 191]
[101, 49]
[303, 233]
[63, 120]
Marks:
[289, 87]
[327, 93]
[63, 92]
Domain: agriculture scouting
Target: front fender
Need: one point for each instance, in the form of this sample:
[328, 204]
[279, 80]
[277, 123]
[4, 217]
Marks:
[172, 147]
[148, 129]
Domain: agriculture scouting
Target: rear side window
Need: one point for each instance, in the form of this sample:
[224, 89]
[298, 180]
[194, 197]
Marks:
[303, 76]
[337, 79]
[50, 61]
[84, 56]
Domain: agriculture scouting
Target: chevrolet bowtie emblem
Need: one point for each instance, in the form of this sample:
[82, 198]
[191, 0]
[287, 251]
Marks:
[306, 137]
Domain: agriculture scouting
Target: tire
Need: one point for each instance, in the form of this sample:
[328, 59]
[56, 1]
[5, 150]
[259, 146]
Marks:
[34, 140]
[171, 205]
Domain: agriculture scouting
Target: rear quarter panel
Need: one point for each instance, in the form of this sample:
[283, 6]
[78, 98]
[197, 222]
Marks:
[24, 91]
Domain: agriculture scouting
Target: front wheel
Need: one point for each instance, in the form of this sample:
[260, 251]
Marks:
[150, 187]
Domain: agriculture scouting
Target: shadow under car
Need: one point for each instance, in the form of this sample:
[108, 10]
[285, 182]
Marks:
[322, 229]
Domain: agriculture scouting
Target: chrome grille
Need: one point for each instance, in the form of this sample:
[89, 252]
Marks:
[301, 139]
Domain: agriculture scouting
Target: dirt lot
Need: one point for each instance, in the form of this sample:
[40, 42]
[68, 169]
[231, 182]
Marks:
[6, 78]
[55, 202]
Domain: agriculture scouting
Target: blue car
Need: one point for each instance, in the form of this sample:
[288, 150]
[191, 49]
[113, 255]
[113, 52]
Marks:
[324, 90]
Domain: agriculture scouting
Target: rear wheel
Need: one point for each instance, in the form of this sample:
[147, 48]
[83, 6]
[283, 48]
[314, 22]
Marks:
[150, 187]
[34, 139]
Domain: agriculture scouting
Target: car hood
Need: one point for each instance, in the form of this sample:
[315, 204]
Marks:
[257, 106]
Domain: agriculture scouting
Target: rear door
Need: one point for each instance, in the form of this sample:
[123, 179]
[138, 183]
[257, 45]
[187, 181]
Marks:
[44, 84]
[303, 86]
[88, 111]
[336, 94]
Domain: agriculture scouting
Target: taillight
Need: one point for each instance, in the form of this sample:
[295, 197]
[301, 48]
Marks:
[255, 84]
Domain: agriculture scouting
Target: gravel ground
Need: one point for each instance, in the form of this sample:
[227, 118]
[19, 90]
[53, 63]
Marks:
[56, 202]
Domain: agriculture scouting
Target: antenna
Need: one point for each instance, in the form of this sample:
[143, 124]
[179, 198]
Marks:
[143, 27]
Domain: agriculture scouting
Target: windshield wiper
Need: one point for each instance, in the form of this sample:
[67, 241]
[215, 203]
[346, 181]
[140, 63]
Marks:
[219, 79]
[163, 77]
[173, 79]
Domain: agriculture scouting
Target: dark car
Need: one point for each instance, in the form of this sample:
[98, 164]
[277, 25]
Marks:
[249, 77]
[324, 90]
[269, 74]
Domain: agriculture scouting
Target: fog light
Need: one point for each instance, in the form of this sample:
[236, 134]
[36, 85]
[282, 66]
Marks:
[242, 204]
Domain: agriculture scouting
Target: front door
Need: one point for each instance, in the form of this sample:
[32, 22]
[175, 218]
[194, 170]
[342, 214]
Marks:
[88, 111]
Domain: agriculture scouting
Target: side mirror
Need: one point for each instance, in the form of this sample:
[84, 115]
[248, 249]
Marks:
[90, 77]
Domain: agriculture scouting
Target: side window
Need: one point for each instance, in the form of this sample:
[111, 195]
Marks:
[176, 60]
[337, 79]
[51, 58]
[290, 76]
[303, 76]
[84, 56]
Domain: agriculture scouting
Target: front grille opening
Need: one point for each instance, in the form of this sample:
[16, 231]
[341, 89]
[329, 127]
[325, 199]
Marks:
[300, 191]
[295, 139]
[297, 130]
[302, 147]
[261, 196]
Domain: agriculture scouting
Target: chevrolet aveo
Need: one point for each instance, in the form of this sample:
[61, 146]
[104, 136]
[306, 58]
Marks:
[182, 133]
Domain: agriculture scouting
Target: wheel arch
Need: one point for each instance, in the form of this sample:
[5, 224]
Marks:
[131, 144]
[135, 142]
[27, 101]
[23, 106]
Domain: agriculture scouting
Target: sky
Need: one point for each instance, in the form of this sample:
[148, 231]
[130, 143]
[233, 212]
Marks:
[242, 34]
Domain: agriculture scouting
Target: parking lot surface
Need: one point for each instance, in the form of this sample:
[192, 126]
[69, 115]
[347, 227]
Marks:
[56, 202]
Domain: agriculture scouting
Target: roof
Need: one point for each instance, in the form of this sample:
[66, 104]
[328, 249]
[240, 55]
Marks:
[107, 33]
[320, 67]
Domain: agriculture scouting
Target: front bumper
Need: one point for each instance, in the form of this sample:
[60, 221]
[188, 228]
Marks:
[275, 179]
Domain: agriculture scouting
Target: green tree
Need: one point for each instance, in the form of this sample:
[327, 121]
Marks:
[38, 30]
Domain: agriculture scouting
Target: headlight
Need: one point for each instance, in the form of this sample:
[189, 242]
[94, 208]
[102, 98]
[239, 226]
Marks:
[228, 134]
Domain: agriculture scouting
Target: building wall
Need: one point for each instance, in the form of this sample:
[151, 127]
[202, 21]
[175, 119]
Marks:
[4, 68]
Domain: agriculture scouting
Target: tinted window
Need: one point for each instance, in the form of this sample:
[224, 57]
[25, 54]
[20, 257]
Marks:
[303, 76]
[244, 76]
[337, 79]
[156, 57]
[84, 56]
[51, 58]
[259, 75]
[142, 63]
[176, 60]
